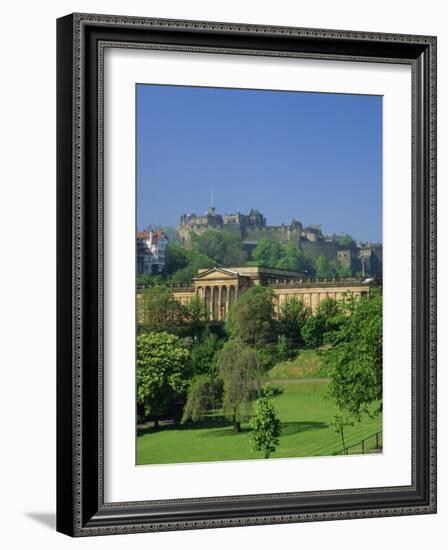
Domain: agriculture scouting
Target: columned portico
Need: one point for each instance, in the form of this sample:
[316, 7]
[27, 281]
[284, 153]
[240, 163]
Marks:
[219, 288]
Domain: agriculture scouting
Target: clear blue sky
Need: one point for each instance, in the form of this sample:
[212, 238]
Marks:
[316, 157]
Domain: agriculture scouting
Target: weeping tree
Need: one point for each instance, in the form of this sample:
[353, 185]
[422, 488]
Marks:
[203, 395]
[242, 377]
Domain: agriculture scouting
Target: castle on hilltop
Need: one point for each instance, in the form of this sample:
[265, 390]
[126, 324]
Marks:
[250, 228]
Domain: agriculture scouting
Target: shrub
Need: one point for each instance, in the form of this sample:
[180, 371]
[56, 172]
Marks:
[266, 427]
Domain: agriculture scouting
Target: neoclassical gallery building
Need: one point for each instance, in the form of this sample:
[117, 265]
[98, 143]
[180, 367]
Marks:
[219, 287]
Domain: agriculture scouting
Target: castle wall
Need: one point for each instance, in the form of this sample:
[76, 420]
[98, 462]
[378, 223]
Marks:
[319, 248]
[281, 234]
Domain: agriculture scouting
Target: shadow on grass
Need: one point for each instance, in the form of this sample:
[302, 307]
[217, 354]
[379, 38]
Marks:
[207, 424]
[288, 428]
[214, 425]
[291, 428]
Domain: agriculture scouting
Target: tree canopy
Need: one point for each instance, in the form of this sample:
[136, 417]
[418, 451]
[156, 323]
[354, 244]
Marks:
[222, 247]
[267, 253]
[251, 317]
[323, 268]
[292, 316]
[162, 371]
[265, 424]
[203, 394]
[355, 356]
[194, 260]
[319, 328]
[242, 377]
[205, 353]
[176, 258]
[159, 307]
[295, 259]
[346, 240]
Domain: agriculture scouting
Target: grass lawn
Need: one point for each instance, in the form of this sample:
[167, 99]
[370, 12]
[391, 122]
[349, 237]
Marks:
[305, 418]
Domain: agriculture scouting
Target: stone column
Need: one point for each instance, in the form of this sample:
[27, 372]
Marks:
[236, 292]
[207, 302]
[227, 300]
[214, 317]
[212, 288]
[219, 303]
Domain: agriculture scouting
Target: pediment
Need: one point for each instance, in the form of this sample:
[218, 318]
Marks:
[214, 273]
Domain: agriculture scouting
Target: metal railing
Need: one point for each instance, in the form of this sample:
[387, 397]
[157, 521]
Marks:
[371, 444]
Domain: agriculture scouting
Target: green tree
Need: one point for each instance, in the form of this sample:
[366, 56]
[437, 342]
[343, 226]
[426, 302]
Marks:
[355, 357]
[176, 258]
[143, 279]
[289, 258]
[194, 315]
[292, 316]
[319, 328]
[323, 268]
[313, 331]
[283, 349]
[295, 259]
[159, 308]
[345, 271]
[162, 372]
[267, 357]
[333, 314]
[251, 317]
[334, 268]
[346, 241]
[267, 253]
[340, 420]
[203, 395]
[195, 261]
[222, 247]
[242, 377]
[172, 234]
[265, 424]
[204, 354]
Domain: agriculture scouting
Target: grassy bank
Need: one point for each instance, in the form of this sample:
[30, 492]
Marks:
[307, 364]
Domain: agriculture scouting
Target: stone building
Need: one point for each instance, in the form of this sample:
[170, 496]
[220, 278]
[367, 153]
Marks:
[151, 251]
[369, 258]
[250, 228]
[219, 287]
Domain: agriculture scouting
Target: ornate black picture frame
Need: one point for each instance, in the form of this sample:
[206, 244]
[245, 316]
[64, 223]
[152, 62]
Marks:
[81, 509]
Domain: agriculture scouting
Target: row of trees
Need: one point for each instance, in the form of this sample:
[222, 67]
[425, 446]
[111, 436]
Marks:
[226, 249]
[158, 310]
[270, 253]
[252, 318]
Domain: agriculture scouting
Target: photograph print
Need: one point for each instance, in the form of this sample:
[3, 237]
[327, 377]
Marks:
[258, 274]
